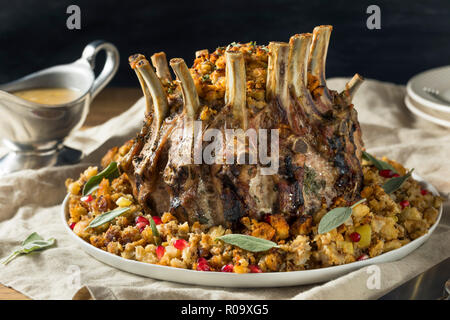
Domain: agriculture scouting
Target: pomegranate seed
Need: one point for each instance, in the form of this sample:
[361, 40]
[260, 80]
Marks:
[355, 236]
[396, 175]
[140, 219]
[424, 191]
[141, 223]
[72, 225]
[157, 219]
[180, 244]
[404, 204]
[227, 268]
[254, 269]
[363, 257]
[141, 226]
[202, 265]
[267, 218]
[386, 173]
[160, 251]
[87, 198]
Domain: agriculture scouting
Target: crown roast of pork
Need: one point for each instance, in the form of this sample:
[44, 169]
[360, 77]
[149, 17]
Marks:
[246, 86]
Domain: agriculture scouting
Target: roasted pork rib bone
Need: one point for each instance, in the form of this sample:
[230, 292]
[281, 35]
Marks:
[159, 61]
[156, 90]
[277, 73]
[160, 106]
[298, 63]
[351, 87]
[318, 56]
[133, 60]
[190, 96]
[235, 94]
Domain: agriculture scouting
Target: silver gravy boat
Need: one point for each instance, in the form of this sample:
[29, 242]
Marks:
[33, 132]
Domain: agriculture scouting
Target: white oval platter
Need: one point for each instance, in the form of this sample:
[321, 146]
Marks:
[248, 280]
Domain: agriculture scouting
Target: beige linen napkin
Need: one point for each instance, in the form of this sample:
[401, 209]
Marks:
[30, 201]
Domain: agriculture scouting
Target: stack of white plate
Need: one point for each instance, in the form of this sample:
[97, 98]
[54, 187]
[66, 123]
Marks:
[429, 106]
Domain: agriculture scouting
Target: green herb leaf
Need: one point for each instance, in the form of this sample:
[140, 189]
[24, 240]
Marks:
[32, 237]
[248, 243]
[110, 172]
[32, 243]
[106, 217]
[155, 231]
[334, 218]
[395, 183]
[379, 164]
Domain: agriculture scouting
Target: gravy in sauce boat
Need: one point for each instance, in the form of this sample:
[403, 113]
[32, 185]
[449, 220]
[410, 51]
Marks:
[48, 96]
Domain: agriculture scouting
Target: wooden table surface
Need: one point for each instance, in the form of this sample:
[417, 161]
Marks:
[109, 103]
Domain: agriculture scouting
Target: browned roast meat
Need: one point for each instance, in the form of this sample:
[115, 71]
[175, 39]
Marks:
[279, 90]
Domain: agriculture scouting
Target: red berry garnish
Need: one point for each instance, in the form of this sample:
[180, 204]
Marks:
[87, 198]
[396, 175]
[141, 222]
[227, 268]
[424, 191]
[355, 236]
[142, 219]
[72, 225]
[386, 173]
[363, 257]
[141, 226]
[202, 265]
[404, 204]
[157, 219]
[180, 244]
[254, 269]
[267, 218]
[160, 251]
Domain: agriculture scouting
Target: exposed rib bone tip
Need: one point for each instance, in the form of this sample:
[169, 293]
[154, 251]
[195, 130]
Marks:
[200, 53]
[318, 55]
[190, 96]
[135, 58]
[235, 94]
[277, 73]
[351, 87]
[298, 62]
[153, 86]
[159, 61]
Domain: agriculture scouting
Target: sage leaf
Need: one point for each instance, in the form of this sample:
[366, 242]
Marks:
[32, 237]
[335, 217]
[106, 217]
[379, 164]
[110, 172]
[394, 184]
[248, 243]
[32, 243]
[155, 231]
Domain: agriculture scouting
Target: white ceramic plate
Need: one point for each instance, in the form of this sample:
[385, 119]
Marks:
[435, 78]
[427, 114]
[248, 280]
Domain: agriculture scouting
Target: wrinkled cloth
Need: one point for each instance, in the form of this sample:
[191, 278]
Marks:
[31, 200]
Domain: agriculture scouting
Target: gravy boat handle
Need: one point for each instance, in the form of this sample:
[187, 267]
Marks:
[110, 67]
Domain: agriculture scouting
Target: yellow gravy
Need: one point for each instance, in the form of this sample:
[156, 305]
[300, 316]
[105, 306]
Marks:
[48, 96]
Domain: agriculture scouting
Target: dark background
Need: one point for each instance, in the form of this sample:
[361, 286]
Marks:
[414, 35]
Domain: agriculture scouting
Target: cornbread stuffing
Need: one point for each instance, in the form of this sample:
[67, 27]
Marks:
[383, 223]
